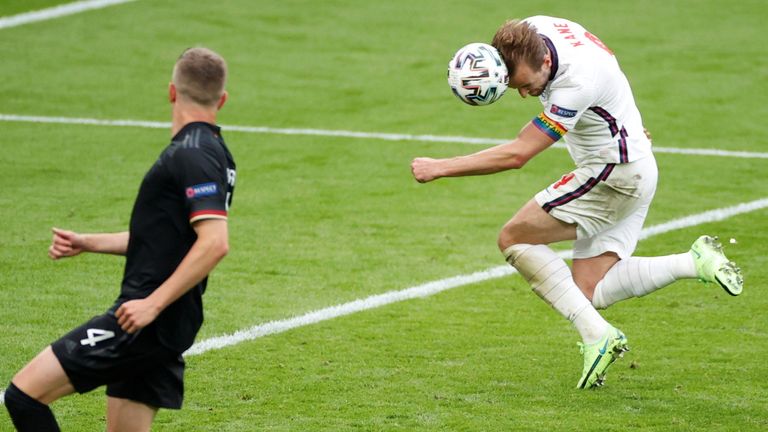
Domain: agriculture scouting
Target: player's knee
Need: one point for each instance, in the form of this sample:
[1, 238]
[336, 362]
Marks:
[502, 242]
[14, 399]
[507, 238]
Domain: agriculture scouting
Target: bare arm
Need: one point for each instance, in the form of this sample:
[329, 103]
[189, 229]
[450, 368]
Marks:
[512, 155]
[211, 246]
[69, 243]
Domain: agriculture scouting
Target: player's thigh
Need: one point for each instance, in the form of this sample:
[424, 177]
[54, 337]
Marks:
[43, 378]
[124, 415]
[100, 352]
[532, 225]
[160, 385]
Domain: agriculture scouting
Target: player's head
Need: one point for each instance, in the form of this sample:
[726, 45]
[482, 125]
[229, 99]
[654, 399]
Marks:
[526, 56]
[199, 77]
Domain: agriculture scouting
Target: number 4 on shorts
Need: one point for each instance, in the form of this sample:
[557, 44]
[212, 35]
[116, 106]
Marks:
[96, 335]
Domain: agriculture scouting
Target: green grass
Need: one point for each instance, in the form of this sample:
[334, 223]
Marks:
[13, 7]
[319, 221]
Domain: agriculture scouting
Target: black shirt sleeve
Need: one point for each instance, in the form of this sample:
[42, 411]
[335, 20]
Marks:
[201, 179]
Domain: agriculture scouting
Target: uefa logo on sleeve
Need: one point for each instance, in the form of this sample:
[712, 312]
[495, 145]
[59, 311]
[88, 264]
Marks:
[202, 190]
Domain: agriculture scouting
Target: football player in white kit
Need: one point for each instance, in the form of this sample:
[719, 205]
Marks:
[601, 204]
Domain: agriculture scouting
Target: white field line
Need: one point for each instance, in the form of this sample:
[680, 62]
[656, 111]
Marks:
[348, 134]
[434, 287]
[56, 12]
[431, 288]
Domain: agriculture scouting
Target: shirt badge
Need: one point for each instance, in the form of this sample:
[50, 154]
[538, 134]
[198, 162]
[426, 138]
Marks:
[562, 112]
[202, 190]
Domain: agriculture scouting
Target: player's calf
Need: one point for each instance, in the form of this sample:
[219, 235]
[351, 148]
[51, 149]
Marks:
[27, 413]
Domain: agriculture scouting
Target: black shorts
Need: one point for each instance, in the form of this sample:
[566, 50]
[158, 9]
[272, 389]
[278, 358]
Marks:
[132, 366]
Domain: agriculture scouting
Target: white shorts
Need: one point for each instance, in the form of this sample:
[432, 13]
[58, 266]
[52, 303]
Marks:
[608, 204]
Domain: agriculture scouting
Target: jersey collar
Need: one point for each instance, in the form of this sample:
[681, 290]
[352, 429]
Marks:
[196, 124]
[553, 55]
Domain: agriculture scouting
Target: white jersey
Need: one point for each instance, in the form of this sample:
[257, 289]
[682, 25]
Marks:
[588, 100]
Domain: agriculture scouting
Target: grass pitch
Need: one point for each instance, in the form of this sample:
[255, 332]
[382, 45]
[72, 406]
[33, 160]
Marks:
[319, 221]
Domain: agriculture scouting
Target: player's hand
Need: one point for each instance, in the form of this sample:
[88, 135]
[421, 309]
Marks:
[424, 169]
[134, 315]
[647, 134]
[65, 244]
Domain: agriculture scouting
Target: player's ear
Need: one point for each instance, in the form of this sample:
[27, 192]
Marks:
[222, 100]
[547, 60]
[171, 92]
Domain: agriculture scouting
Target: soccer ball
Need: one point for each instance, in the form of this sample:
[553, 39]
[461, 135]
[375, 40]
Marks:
[477, 75]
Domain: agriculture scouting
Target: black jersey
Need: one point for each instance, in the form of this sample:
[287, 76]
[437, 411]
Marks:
[193, 179]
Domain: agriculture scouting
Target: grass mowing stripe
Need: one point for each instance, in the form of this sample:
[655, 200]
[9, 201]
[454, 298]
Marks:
[56, 12]
[435, 287]
[349, 134]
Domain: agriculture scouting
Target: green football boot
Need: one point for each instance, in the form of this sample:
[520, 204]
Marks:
[599, 355]
[713, 266]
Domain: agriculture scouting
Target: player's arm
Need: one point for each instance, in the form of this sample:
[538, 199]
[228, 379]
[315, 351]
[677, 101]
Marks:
[512, 155]
[69, 243]
[211, 246]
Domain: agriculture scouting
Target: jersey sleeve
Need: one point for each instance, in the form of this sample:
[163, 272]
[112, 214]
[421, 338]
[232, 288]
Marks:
[563, 109]
[201, 180]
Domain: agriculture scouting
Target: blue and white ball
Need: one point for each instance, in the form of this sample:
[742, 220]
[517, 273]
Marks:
[477, 75]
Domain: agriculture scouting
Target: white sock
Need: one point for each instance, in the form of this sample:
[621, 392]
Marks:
[639, 276]
[552, 280]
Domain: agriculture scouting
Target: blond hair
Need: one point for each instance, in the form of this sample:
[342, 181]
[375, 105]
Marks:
[517, 42]
[199, 76]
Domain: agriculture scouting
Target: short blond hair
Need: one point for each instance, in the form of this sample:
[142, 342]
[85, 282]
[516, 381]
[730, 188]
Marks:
[200, 75]
[518, 41]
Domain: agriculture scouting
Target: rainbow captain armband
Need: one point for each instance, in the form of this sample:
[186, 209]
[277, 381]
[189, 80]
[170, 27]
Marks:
[550, 127]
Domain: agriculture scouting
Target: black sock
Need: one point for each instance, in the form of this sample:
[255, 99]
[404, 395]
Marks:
[28, 414]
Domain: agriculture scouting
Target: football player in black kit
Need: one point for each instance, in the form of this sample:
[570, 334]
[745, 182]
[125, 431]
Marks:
[177, 235]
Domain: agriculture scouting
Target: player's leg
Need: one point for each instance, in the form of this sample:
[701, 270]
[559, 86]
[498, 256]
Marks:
[629, 276]
[551, 279]
[580, 205]
[523, 241]
[636, 277]
[640, 276]
[124, 415]
[587, 272]
[133, 402]
[603, 265]
[147, 376]
[60, 369]
[39, 383]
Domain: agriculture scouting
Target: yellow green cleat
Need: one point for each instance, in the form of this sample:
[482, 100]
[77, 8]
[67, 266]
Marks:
[713, 266]
[599, 355]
